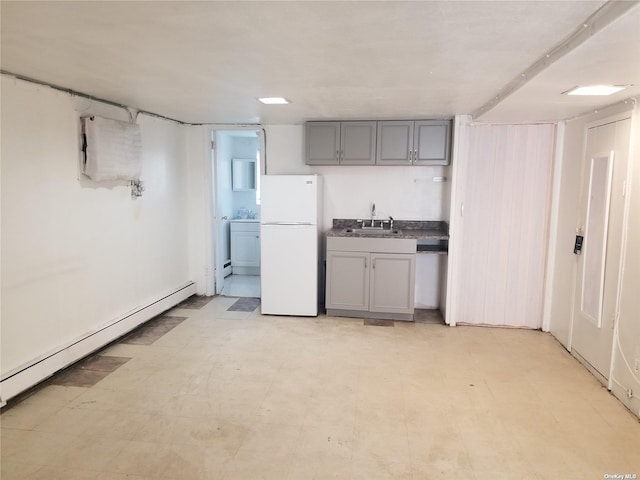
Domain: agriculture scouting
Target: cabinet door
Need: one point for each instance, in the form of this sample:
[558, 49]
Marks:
[347, 280]
[358, 143]
[395, 142]
[256, 249]
[245, 249]
[392, 282]
[432, 142]
[322, 143]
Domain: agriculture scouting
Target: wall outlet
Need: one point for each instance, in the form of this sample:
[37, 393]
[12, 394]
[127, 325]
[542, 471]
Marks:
[629, 393]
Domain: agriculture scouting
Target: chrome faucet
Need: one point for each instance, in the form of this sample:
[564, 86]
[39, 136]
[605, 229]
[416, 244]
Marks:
[391, 224]
[373, 213]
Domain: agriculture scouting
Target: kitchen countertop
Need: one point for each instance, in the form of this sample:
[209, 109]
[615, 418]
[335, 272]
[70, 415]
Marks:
[418, 229]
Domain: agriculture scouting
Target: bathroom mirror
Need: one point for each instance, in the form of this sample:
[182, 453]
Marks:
[243, 174]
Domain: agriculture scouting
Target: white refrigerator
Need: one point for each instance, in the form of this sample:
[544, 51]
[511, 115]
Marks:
[290, 213]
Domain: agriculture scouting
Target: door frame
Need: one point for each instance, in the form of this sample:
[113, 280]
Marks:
[626, 115]
[213, 269]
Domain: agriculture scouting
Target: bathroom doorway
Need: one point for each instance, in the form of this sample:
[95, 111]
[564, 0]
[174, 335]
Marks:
[237, 157]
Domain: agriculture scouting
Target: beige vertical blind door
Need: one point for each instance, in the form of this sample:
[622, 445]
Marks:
[505, 224]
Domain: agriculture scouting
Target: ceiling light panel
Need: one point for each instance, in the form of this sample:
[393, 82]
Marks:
[274, 100]
[594, 90]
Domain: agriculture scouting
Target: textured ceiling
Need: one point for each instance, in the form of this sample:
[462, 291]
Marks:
[209, 61]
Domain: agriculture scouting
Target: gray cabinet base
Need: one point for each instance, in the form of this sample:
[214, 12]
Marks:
[406, 317]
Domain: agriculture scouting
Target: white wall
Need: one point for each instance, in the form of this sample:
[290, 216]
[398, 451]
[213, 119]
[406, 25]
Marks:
[200, 208]
[627, 344]
[405, 193]
[78, 255]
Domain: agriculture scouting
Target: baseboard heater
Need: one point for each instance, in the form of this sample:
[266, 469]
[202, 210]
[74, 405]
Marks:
[41, 368]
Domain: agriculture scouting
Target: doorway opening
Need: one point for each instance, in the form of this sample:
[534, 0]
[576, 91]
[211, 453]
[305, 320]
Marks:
[237, 159]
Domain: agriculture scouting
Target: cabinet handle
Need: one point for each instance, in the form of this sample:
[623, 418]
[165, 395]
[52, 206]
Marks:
[338, 155]
[365, 263]
[373, 263]
[410, 156]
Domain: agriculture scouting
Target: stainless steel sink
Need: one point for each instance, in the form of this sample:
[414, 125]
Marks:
[372, 231]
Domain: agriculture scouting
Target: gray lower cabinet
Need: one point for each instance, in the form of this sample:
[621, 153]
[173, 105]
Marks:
[340, 143]
[420, 142]
[363, 282]
[348, 280]
[392, 283]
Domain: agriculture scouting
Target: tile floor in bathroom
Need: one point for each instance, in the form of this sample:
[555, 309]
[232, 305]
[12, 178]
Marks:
[241, 286]
[223, 394]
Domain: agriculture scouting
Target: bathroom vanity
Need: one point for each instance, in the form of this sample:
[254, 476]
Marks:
[245, 246]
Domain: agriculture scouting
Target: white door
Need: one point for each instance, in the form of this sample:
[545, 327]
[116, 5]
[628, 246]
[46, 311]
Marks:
[601, 222]
[223, 212]
[503, 247]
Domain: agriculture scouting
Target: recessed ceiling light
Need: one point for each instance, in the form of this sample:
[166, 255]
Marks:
[596, 90]
[274, 100]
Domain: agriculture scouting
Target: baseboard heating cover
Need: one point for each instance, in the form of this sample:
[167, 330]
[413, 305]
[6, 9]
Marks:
[37, 370]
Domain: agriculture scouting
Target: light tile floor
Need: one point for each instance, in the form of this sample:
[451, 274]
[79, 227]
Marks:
[241, 286]
[235, 395]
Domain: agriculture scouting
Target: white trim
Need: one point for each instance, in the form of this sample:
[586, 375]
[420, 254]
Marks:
[554, 214]
[215, 272]
[616, 349]
[37, 370]
[456, 222]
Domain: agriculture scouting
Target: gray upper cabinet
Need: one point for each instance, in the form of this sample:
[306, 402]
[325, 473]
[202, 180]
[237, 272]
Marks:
[432, 142]
[340, 143]
[395, 142]
[322, 143]
[423, 142]
[358, 143]
[389, 142]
